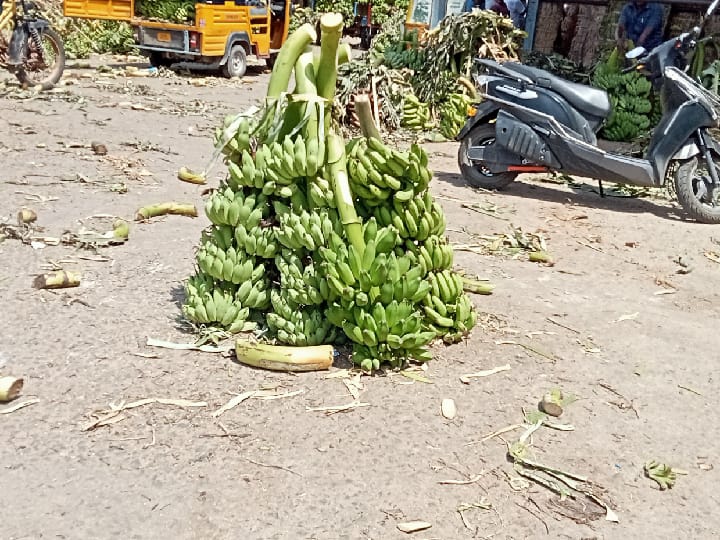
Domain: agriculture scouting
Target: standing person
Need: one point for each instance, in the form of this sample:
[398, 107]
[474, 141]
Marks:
[641, 22]
[498, 6]
[517, 11]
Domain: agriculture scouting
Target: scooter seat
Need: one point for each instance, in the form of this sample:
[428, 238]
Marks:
[589, 100]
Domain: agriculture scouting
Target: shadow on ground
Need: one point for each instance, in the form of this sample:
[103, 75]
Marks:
[583, 194]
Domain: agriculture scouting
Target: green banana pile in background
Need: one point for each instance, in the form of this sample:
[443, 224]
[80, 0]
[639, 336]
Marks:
[174, 11]
[315, 240]
[634, 112]
[436, 68]
[453, 114]
[404, 53]
[415, 114]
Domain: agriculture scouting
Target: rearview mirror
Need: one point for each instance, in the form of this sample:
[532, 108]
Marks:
[711, 8]
[637, 52]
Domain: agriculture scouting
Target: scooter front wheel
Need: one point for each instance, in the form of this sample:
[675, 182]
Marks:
[45, 61]
[476, 173]
[696, 193]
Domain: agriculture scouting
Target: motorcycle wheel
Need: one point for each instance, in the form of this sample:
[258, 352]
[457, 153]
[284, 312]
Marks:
[476, 173]
[695, 192]
[43, 68]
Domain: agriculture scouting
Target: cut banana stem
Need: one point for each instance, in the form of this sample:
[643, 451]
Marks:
[365, 117]
[154, 210]
[477, 286]
[121, 229]
[285, 62]
[186, 175]
[10, 388]
[283, 358]
[60, 279]
[540, 257]
[25, 216]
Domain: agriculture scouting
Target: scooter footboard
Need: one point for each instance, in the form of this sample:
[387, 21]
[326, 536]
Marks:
[584, 160]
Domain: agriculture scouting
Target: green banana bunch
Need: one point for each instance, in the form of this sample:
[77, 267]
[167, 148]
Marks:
[631, 97]
[300, 281]
[303, 229]
[391, 333]
[274, 168]
[453, 114]
[378, 172]
[608, 81]
[377, 294]
[237, 208]
[398, 55]
[417, 218]
[296, 325]
[416, 114]
[230, 263]
[208, 302]
[370, 358]
[237, 132]
[319, 191]
[435, 254]
[448, 310]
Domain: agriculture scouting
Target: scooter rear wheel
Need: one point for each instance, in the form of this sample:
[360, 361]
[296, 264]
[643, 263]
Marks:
[476, 173]
[696, 193]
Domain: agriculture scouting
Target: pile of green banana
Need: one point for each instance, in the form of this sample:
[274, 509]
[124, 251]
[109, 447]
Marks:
[416, 114]
[453, 114]
[318, 241]
[631, 98]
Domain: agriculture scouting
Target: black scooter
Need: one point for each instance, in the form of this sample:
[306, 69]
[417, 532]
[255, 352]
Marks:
[532, 121]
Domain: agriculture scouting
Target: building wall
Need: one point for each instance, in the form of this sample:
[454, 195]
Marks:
[583, 32]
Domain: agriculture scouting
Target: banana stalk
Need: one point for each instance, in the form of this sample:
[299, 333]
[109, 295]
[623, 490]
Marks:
[343, 195]
[10, 388]
[330, 33]
[282, 358]
[154, 210]
[285, 62]
[365, 117]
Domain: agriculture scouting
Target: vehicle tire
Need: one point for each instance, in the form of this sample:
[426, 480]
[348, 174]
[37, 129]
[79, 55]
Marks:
[41, 69]
[693, 188]
[474, 172]
[236, 64]
[270, 61]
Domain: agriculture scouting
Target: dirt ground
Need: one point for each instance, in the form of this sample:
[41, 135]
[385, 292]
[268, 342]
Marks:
[623, 321]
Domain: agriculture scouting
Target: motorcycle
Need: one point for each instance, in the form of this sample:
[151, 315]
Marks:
[532, 121]
[34, 53]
